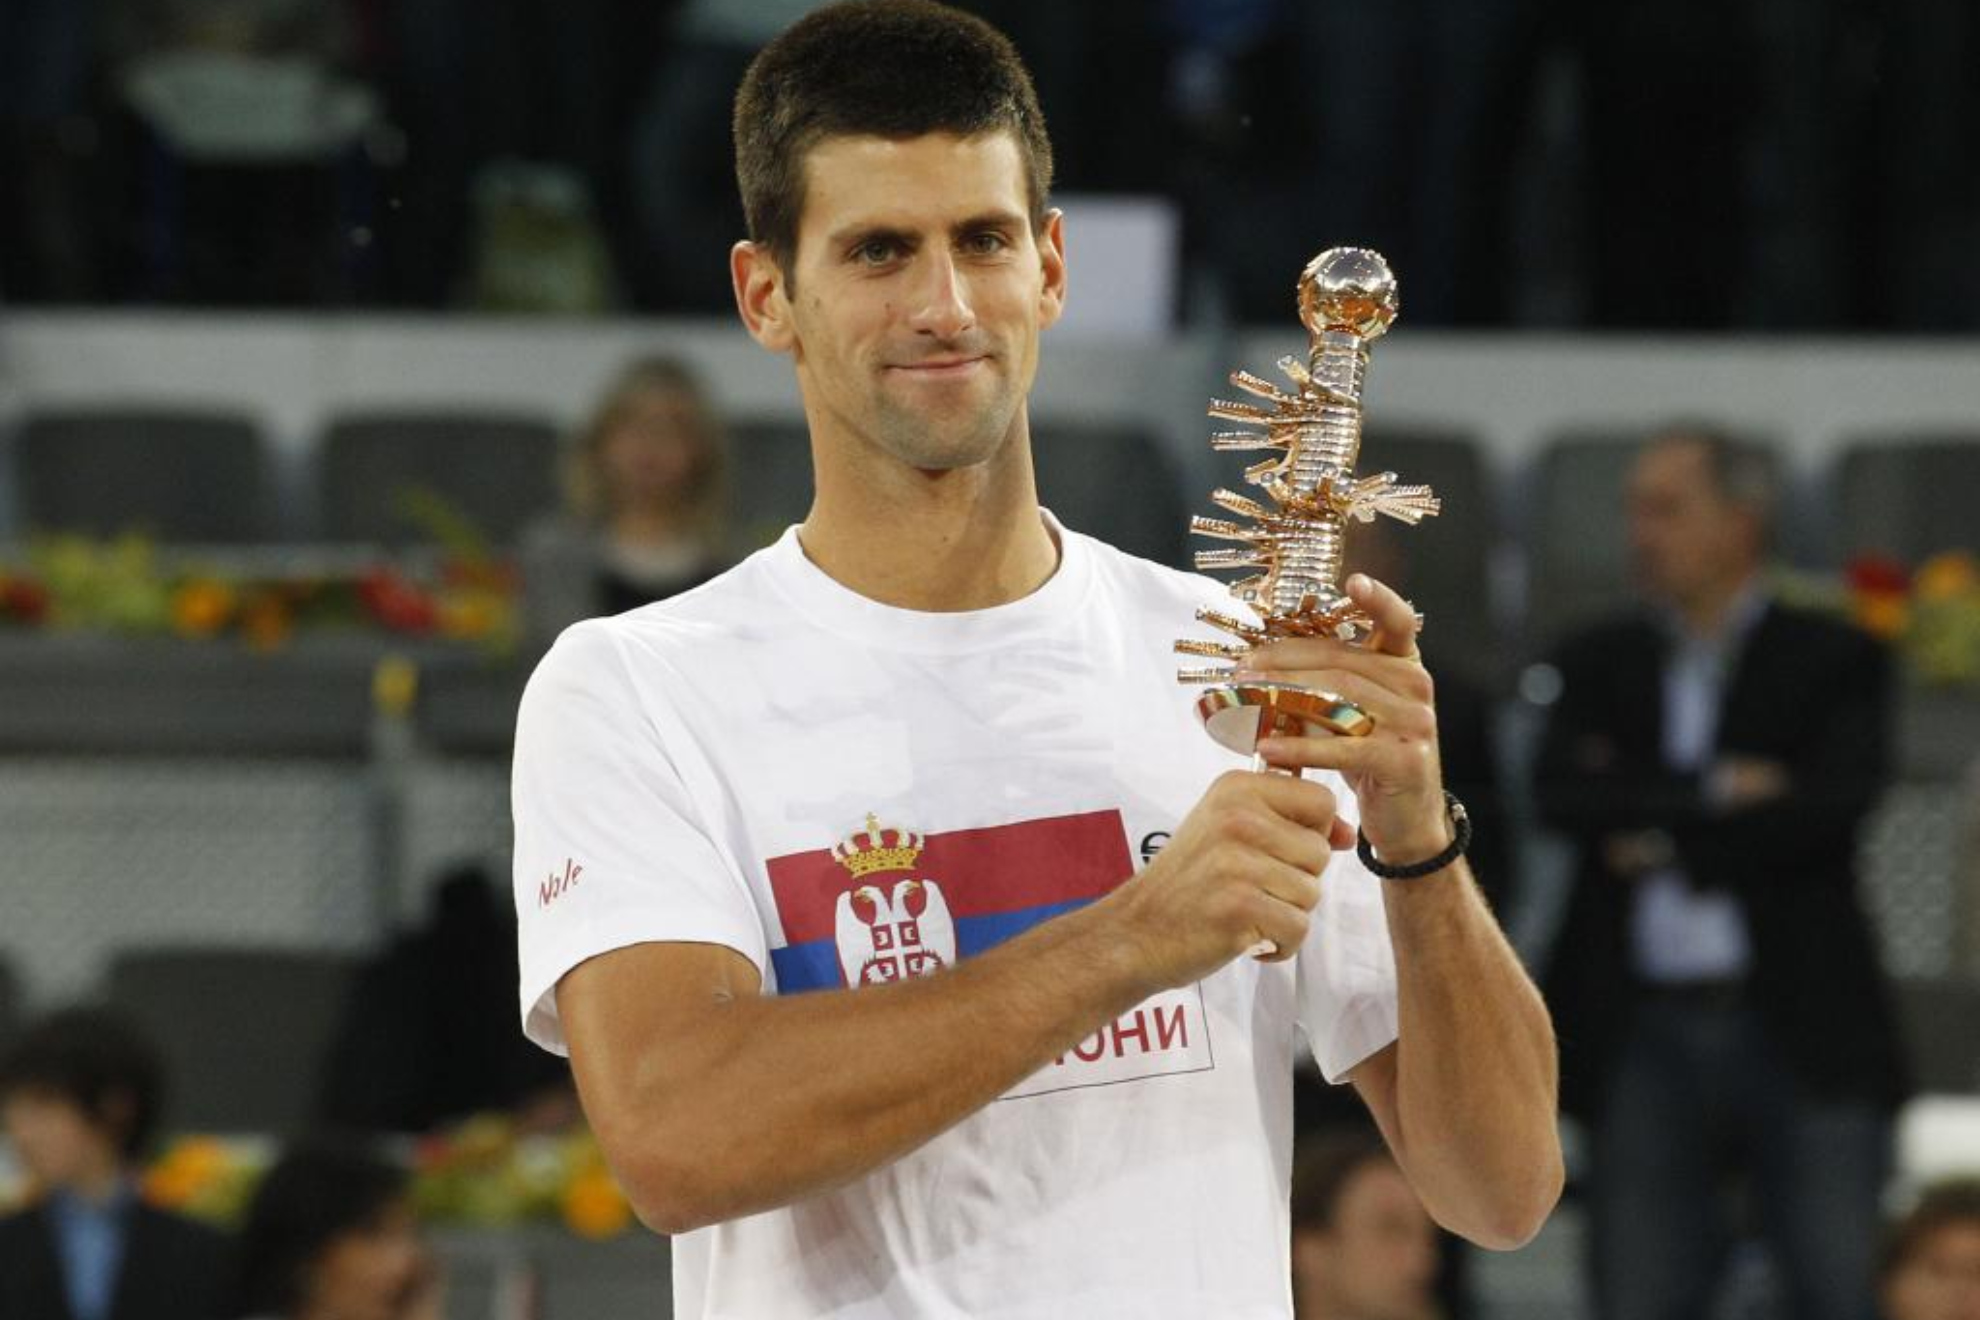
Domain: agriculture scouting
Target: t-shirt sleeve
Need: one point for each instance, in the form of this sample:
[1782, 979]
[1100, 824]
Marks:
[611, 850]
[1346, 981]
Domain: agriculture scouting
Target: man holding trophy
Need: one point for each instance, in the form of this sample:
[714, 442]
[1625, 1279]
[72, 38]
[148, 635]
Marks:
[827, 869]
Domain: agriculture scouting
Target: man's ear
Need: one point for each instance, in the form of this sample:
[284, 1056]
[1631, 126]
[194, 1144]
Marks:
[1052, 257]
[760, 298]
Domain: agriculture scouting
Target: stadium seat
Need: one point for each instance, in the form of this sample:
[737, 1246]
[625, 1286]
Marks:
[1115, 482]
[1111, 481]
[769, 478]
[1909, 496]
[242, 1030]
[180, 475]
[1446, 560]
[376, 470]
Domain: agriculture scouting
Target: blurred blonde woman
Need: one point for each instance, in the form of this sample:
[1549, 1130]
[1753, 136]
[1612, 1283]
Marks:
[646, 503]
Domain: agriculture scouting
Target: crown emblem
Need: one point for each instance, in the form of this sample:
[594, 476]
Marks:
[884, 849]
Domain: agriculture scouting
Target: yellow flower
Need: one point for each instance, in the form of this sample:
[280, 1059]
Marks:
[1947, 576]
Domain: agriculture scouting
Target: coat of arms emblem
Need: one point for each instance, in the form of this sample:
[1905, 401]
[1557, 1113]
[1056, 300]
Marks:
[895, 925]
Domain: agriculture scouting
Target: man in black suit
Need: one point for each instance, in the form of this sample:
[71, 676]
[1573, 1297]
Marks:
[1721, 1010]
[79, 1097]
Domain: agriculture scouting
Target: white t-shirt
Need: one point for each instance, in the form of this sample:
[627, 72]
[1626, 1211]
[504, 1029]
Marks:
[846, 792]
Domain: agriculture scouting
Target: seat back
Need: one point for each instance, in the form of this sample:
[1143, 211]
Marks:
[497, 470]
[242, 1030]
[1909, 496]
[182, 476]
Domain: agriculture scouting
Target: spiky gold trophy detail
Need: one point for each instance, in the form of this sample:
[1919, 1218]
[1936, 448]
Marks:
[1347, 299]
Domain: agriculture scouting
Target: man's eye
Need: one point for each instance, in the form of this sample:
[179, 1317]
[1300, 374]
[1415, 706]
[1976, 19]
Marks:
[986, 243]
[876, 251]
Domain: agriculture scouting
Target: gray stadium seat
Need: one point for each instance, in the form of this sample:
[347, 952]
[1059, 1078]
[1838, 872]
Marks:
[1909, 496]
[1448, 558]
[179, 475]
[499, 470]
[769, 478]
[242, 1030]
[1572, 532]
[10, 1004]
[1937, 1015]
[1116, 483]
[1112, 482]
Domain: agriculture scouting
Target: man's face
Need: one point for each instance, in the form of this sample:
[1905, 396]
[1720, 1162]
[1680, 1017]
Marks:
[1377, 1260]
[1940, 1280]
[57, 1142]
[1685, 538]
[920, 294]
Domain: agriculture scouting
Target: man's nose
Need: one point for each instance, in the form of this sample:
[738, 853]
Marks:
[941, 299]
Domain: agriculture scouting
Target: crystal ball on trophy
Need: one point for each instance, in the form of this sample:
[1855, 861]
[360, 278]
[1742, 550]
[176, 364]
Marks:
[1295, 542]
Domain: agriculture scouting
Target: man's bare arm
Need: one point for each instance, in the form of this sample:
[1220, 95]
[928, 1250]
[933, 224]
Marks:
[1467, 1094]
[713, 1100]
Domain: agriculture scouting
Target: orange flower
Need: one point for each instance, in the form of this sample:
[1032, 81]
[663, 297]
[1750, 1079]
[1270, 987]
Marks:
[202, 607]
[594, 1207]
[189, 1168]
[266, 623]
[1881, 613]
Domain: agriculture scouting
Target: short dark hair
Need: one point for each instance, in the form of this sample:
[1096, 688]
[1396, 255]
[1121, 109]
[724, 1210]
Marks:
[1744, 472]
[880, 68]
[97, 1060]
[1324, 1165]
[1943, 1204]
[322, 1188]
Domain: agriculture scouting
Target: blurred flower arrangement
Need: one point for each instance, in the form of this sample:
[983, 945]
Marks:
[127, 586]
[483, 1173]
[1932, 616]
[486, 1173]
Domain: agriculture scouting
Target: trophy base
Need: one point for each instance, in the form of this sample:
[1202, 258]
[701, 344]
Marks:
[1237, 715]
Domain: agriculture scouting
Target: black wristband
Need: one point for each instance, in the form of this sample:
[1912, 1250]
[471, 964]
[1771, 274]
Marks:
[1461, 840]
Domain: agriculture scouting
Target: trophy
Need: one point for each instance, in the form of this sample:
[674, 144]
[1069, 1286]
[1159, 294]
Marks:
[1347, 298]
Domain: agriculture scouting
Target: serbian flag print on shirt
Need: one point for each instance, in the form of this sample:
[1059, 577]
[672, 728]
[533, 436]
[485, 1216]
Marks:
[887, 902]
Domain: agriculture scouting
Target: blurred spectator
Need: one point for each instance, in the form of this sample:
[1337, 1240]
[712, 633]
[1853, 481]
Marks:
[1363, 1247]
[426, 1038]
[647, 503]
[254, 135]
[331, 1235]
[682, 155]
[1930, 1268]
[47, 139]
[79, 1094]
[1715, 985]
[489, 91]
[538, 248]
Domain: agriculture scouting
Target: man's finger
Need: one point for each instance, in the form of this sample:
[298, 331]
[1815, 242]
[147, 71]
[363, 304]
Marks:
[1302, 801]
[1351, 756]
[1394, 618]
